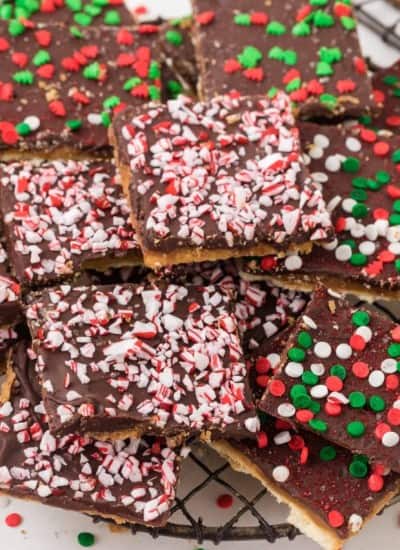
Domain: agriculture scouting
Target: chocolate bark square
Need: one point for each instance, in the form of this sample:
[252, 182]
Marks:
[61, 217]
[358, 169]
[10, 293]
[339, 378]
[128, 359]
[128, 481]
[216, 180]
[60, 87]
[311, 50]
[386, 85]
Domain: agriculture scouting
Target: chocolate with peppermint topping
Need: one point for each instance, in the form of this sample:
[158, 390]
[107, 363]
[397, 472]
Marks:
[358, 169]
[339, 377]
[160, 358]
[60, 88]
[64, 216]
[217, 180]
[130, 480]
[310, 50]
[10, 293]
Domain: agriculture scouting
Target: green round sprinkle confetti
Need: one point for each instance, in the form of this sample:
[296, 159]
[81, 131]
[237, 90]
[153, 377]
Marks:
[324, 69]
[6, 11]
[315, 407]
[339, 371]
[309, 378]
[174, 37]
[41, 58]
[397, 264]
[396, 156]
[391, 79]
[250, 57]
[275, 28]
[290, 57]
[105, 119]
[92, 71]
[373, 185]
[319, 3]
[296, 354]
[394, 219]
[348, 23]
[351, 164]
[351, 243]
[376, 403]
[365, 119]
[323, 19]
[112, 17]
[297, 390]
[359, 182]
[101, 3]
[327, 453]
[92, 10]
[23, 129]
[75, 32]
[394, 349]
[302, 401]
[74, 125]
[359, 195]
[83, 19]
[301, 29]
[16, 28]
[154, 71]
[360, 318]
[382, 177]
[358, 259]
[276, 53]
[357, 400]
[355, 428]
[74, 5]
[358, 469]
[396, 205]
[243, 19]
[304, 339]
[174, 88]
[154, 93]
[86, 539]
[318, 425]
[293, 85]
[359, 210]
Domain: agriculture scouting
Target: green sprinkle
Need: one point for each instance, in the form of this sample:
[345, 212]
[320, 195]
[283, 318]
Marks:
[382, 177]
[328, 99]
[327, 453]
[304, 339]
[290, 57]
[101, 3]
[75, 32]
[315, 407]
[6, 11]
[276, 53]
[272, 92]
[318, 425]
[355, 428]
[323, 19]
[397, 264]
[24, 77]
[351, 243]
[358, 259]
[373, 185]
[376, 403]
[174, 37]
[339, 371]
[23, 129]
[358, 469]
[348, 23]
[302, 401]
[92, 71]
[296, 354]
[112, 17]
[293, 85]
[243, 19]
[351, 164]
[275, 28]
[394, 349]
[92, 10]
[74, 5]
[105, 119]
[250, 57]
[174, 88]
[301, 29]
[324, 69]
[360, 182]
[16, 28]
[359, 195]
[309, 378]
[319, 3]
[154, 70]
[154, 93]
[391, 79]
[111, 102]
[296, 390]
[83, 19]
[74, 125]
[357, 400]
[41, 58]
[330, 55]
[396, 156]
[365, 119]
[360, 318]
[86, 539]
[132, 83]
[394, 219]
[359, 210]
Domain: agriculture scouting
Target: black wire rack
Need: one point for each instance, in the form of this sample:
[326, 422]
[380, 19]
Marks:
[372, 13]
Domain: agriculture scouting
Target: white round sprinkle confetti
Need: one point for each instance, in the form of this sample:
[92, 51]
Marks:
[331, 246]
[294, 370]
[348, 205]
[381, 227]
[316, 152]
[376, 378]
[94, 118]
[357, 231]
[389, 366]
[319, 391]
[281, 474]
[396, 404]
[317, 368]
[344, 351]
[353, 144]
[274, 359]
[33, 122]
[371, 232]
[282, 438]
[390, 439]
[394, 248]
[286, 410]
[365, 333]
[320, 140]
[338, 397]
[319, 177]
[292, 263]
[355, 523]
[367, 247]
[343, 253]
[309, 322]
[333, 163]
[322, 350]
[393, 234]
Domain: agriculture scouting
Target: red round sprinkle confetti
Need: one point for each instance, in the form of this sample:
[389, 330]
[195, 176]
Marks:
[392, 382]
[393, 192]
[304, 455]
[225, 501]
[304, 415]
[393, 121]
[335, 518]
[43, 38]
[259, 18]
[360, 369]
[303, 12]
[395, 334]
[268, 263]
[342, 10]
[360, 65]
[262, 381]
[381, 429]
[290, 75]
[380, 214]
[393, 417]
[379, 469]
[315, 87]
[333, 409]
[262, 440]
[277, 388]
[340, 225]
[345, 86]
[386, 256]
[369, 136]
[375, 483]
[357, 342]
[4, 44]
[262, 365]
[334, 383]
[13, 520]
[205, 17]
[296, 443]
[379, 96]
[232, 66]
[381, 148]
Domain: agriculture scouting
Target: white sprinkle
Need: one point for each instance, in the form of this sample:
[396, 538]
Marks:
[286, 410]
[252, 424]
[390, 439]
[348, 204]
[281, 438]
[317, 368]
[320, 140]
[319, 391]
[353, 144]
[316, 152]
[333, 163]
[33, 122]
[376, 378]
[309, 322]
[355, 523]
[294, 370]
[367, 247]
[394, 248]
[365, 333]
[343, 253]
[322, 350]
[389, 366]
[292, 263]
[344, 351]
[281, 474]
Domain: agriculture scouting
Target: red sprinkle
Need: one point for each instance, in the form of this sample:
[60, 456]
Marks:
[262, 365]
[381, 148]
[334, 383]
[304, 415]
[262, 440]
[277, 388]
[13, 520]
[393, 417]
[335, 518]
[232, 66]
[381, 429]
[268, 263]
[395, 334]
[375, 483]
[357, 342]
[205, 17]
[333, 409]
[225, 501]
[360, 369]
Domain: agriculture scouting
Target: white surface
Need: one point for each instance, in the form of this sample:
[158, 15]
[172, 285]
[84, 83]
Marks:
[45, 528]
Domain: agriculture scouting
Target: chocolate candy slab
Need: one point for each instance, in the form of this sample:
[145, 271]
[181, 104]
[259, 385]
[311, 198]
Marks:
[60, 87]
[339, 378]
[64, 216]
[358, 170]
[310, 50]
[165, 359]
[128, 481]
[10, 293]
[216, 180]
[386, 85]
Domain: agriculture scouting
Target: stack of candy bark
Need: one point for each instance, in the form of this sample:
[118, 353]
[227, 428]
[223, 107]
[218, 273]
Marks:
[183, 205]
